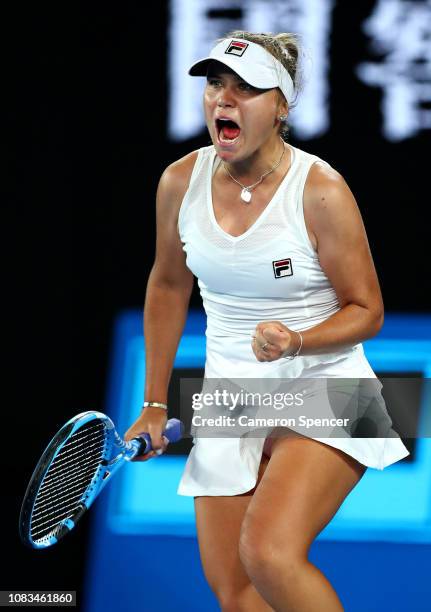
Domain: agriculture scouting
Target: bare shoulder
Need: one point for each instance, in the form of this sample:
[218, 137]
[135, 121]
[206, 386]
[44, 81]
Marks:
[326, 189]
[175, 179]
[327, 197]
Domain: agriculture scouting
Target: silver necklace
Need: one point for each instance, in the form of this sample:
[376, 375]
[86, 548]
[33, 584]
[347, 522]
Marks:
[246, 190]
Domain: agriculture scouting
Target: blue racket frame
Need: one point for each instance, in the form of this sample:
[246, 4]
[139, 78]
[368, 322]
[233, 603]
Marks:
[115, 452]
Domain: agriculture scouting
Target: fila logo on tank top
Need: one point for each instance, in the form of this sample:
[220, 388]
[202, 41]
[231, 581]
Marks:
[282, 268]
[250, 278]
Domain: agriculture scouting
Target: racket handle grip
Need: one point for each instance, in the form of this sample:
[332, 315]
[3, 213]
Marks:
[174, 431]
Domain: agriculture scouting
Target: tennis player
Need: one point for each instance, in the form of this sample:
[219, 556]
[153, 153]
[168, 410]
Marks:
[276, 240]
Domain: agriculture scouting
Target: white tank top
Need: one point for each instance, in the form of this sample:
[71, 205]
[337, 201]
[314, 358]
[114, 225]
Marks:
[270, 272]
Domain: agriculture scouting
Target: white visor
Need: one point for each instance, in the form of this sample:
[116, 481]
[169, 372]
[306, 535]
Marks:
[251, 62]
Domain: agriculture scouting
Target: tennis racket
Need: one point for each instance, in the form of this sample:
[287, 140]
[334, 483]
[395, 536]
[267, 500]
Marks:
[74, 468]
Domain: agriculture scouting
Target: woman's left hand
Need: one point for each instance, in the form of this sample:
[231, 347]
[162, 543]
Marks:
[271, 340]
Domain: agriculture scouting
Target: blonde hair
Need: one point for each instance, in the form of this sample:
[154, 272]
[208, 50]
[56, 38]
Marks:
[286, 48]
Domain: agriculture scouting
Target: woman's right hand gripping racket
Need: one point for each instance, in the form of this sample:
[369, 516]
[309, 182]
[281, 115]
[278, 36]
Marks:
[76, 465]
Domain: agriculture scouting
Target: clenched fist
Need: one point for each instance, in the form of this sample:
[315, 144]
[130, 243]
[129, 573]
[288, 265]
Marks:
[273, 340]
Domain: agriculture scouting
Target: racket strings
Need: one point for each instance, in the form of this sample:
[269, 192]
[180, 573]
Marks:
[70, 465]
[73, 448]
[63, 501]
[72, 479]
[67, 479]
[44, 519]
[71, 495]
[70, 459]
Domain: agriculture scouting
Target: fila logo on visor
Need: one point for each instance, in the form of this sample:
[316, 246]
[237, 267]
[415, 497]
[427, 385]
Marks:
[236, 48]
[282, 267]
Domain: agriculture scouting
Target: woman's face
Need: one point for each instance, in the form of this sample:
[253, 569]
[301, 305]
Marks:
[240, 117]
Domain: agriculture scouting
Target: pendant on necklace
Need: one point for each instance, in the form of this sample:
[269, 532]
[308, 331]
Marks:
[246, 195]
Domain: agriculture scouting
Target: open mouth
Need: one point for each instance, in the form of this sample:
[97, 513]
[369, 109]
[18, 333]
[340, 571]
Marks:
[227, 130]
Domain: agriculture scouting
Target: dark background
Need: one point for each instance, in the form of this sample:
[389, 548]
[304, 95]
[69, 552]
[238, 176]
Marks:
[86, 143]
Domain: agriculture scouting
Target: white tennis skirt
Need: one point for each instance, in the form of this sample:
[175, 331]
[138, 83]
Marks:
[229, 465]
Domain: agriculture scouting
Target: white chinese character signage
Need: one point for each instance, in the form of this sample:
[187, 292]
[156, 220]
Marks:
[397, 59]
[400, 39]
[196, 24]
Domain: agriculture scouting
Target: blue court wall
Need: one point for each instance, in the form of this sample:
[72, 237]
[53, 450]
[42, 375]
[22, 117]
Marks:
[143, 550]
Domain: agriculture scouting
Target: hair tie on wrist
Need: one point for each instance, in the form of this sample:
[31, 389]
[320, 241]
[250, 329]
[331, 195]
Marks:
[296, 353]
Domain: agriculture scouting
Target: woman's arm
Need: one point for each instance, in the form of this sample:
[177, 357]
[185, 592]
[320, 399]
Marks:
[335, 226]
[167, 298]
[169, 287]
